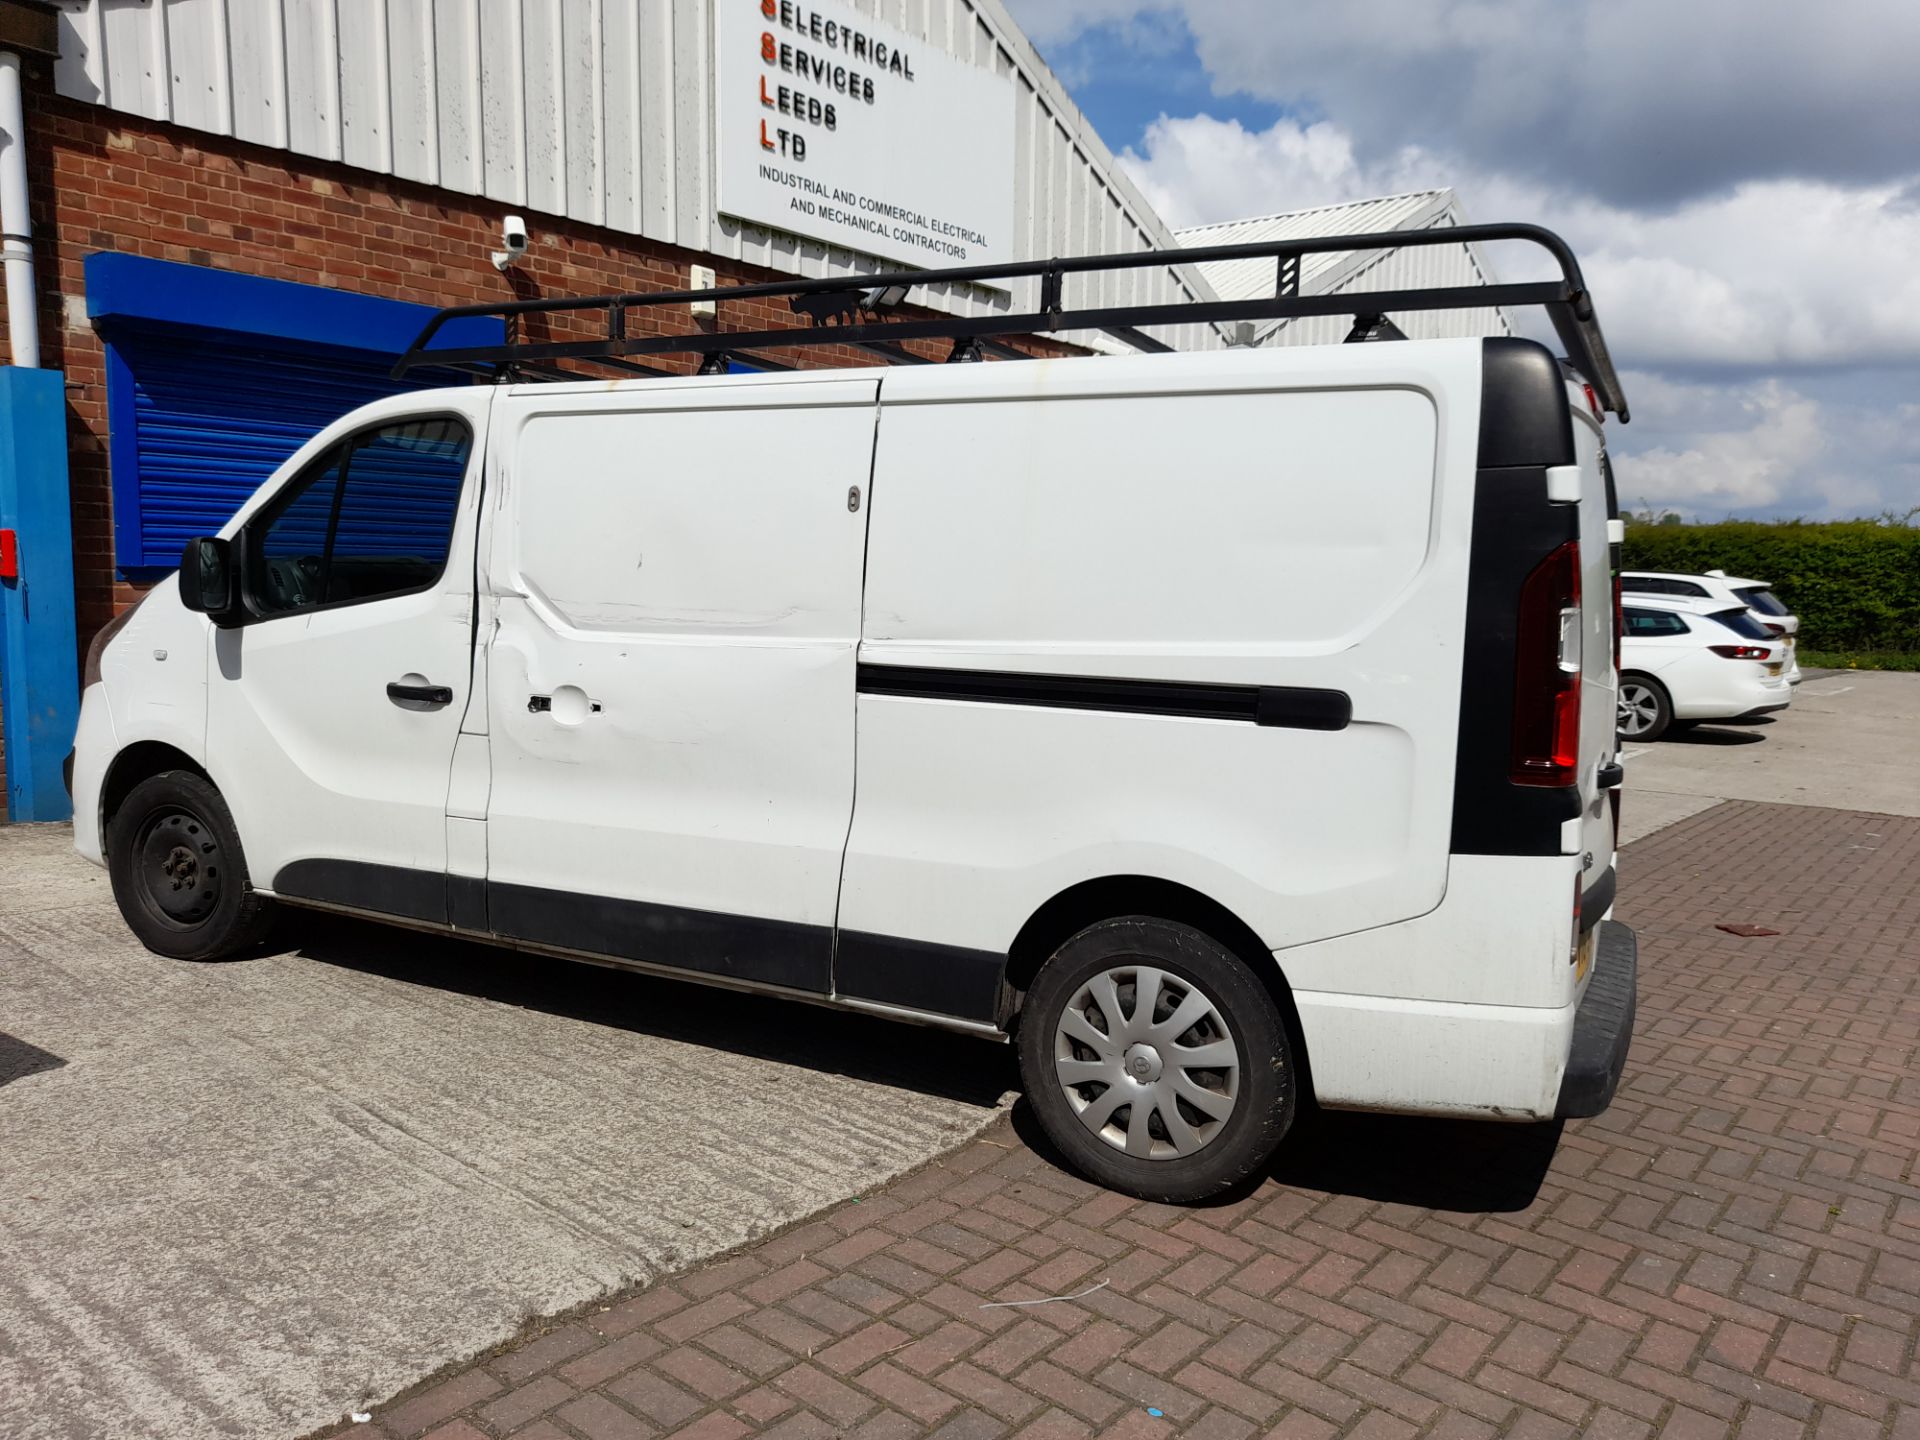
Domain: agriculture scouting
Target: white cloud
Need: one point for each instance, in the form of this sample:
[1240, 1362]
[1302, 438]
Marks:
[1751, 459]
[1200, 170]
[1644, 102]
[1775, 273]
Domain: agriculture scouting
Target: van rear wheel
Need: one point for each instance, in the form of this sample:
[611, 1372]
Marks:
[179, 875]
[1155, 1060]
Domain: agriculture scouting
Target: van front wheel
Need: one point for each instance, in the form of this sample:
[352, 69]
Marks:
[179, 875]
[1155, 1060]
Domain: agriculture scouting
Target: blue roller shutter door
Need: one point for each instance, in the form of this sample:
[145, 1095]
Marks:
[214, 414]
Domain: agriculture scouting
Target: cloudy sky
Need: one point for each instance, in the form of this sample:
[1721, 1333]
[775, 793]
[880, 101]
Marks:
[1741, 179]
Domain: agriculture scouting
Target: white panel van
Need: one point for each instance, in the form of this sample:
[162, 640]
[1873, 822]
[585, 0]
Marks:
[1223, 729]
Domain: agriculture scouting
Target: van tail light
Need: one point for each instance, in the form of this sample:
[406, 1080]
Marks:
[1619, 622]
[1773, 629]
[1546, 689]
[1742, 652]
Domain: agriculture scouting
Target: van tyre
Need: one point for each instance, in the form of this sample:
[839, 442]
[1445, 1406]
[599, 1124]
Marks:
[179, 874]
[1646, 710]
[1156, 1061]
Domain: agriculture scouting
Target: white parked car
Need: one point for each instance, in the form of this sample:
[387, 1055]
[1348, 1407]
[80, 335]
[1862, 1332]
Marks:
[1684, 660]
[1201, 722]
[1756, 595]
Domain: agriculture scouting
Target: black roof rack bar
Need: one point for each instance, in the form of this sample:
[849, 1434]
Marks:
[1138, 339]
[633, 366]
[1565, 300]
[894, 354]
[533, 370]
[763, 362]
[716, 359]
[1005, 352]
[1546, 293]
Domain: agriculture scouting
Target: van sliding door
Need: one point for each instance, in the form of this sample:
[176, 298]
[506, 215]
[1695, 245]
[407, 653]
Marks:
[671, 677]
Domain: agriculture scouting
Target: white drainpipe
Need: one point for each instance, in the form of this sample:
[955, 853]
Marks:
[16, 226]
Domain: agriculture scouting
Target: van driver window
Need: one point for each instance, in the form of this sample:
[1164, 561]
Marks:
[371, 519]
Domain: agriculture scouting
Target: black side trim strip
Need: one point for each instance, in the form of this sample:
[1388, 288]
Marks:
[467, 902]
[767, 952]
[919, 975]
[385, 889]
[1595, 899]
[1288, 706]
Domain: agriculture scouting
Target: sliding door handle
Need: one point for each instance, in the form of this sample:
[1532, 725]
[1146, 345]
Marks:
[423, 694]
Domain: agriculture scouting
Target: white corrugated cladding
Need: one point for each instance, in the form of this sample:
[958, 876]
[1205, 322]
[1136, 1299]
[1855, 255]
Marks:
[1351, 271]
[599, 110]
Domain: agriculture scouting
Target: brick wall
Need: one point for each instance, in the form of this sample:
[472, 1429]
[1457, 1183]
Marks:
[105, 181]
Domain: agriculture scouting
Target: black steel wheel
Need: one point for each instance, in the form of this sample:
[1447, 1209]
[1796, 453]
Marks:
[179, 874]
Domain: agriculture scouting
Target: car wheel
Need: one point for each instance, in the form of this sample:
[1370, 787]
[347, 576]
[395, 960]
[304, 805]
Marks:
[1645, 709]
[1155, 1060]
[179, 874]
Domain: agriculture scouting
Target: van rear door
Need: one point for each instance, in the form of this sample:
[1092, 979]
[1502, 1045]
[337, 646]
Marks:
[1599, 722]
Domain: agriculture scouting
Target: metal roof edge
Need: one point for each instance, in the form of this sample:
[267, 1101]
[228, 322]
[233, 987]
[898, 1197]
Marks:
[1437, 193]
[1443, 211]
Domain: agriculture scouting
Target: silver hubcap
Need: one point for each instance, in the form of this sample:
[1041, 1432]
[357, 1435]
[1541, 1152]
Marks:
[1147, 1062]
[1638, 709]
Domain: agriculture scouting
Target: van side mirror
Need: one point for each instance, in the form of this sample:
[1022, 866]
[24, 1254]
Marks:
[206, 579]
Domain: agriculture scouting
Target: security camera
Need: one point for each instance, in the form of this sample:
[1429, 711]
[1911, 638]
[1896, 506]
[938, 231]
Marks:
[513, 231]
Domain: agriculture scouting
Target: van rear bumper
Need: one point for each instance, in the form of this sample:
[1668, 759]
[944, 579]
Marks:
[1492, 1062]
[1602, 1025]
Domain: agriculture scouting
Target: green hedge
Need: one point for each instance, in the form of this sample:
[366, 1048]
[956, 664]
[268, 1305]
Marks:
[1854, 584]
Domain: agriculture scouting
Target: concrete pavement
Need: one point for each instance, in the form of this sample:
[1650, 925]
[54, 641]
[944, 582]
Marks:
[243, 1199]
[1851, 742]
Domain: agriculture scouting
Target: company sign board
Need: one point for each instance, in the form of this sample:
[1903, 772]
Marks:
[837, 128]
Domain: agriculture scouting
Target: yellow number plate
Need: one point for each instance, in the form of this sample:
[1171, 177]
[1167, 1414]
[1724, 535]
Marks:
[1584, 961]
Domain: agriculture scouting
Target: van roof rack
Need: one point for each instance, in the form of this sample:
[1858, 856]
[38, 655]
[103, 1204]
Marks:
[862, 311]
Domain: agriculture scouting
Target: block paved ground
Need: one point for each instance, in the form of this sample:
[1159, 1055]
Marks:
[1734, 1247]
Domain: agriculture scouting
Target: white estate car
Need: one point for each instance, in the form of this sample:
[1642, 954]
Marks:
[1201, 722]
[1684, 659]
[1756, 595]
